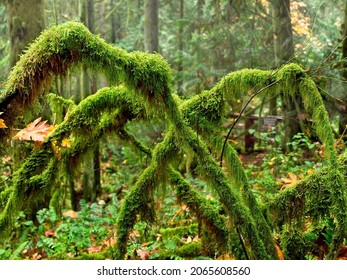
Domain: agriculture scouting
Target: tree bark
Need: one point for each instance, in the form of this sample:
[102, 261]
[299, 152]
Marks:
[26, 21]
[284, 52]
[91, 165]
[151, 28]
[180, 50]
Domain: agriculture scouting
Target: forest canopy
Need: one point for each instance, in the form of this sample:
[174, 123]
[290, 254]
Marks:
[133, 151]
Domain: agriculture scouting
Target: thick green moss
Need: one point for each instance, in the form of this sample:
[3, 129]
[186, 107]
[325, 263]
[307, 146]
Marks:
[189, 250]
[192, 128]
[64, 46]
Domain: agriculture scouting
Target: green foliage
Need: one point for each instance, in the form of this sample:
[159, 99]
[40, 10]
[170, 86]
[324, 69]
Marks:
[192, 131]
[63, 235]
[294, 244]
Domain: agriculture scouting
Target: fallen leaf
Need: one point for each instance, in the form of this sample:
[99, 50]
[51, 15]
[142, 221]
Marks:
[2, 124]
[143, 253]
[226, 257]
[36, 131]
[310, 171]
[94, 249]
[36, 256]
[71, 214]
[291, 180]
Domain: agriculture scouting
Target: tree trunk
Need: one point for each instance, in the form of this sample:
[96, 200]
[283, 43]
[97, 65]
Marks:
[91, 165]
[180, 50]
[26, 21]
[151, 28]
[284, 52]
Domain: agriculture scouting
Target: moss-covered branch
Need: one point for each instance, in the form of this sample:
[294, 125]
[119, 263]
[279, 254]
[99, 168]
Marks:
[192, 129]
[71, 44]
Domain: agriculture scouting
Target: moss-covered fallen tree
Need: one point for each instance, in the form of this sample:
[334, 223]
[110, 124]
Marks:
[142, 89]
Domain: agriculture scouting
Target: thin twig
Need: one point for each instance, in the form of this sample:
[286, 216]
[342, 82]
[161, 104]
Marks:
[239, 116]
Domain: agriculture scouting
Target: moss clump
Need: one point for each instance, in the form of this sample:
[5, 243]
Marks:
[183, 231]
[189, 250]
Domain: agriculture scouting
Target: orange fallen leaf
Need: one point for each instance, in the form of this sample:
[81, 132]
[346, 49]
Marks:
[36, 256]
[196, 238]
[226, 257]
[71, 214]
[36, 131]
[2, 124]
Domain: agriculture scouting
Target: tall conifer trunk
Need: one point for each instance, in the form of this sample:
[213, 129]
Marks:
[26, 21]
[91, 165]
[151, 28]
[284, 52]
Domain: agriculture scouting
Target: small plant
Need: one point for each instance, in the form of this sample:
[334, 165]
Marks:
[276, 165]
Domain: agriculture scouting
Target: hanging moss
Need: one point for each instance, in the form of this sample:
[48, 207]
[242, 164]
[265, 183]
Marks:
[147, 91]
[64, 46]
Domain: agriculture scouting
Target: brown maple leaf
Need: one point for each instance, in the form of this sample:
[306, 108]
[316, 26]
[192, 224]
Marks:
[36, 131]
[291, 180]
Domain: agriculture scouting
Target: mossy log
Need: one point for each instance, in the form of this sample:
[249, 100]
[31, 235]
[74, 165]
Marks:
[193, 128]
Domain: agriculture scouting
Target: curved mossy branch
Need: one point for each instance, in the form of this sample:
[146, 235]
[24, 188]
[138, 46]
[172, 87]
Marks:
[139, 197]
[83, 126]
[61, 47]
[204, 113]
[98, 111]
[291, 79]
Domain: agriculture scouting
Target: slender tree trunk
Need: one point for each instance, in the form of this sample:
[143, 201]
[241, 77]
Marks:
[25, 23]
[284, 52]
[151, 28]
[180, 50]
[26, 20]
[91, 165]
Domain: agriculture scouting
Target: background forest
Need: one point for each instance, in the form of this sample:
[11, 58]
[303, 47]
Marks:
[109, 150]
